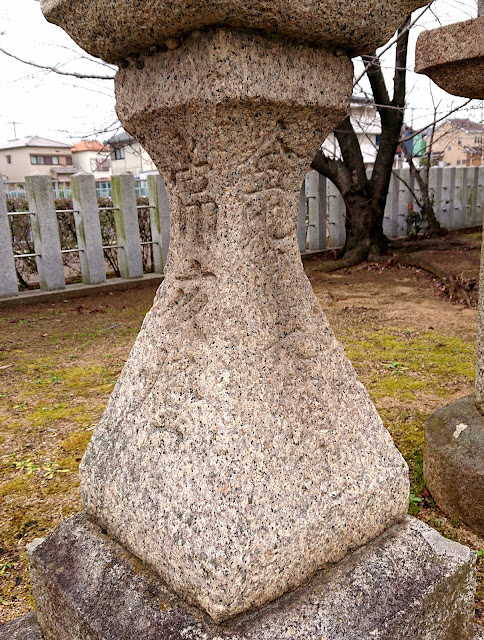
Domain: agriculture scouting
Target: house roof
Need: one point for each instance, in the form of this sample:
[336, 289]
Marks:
[88, 145]
[355, 100]
[33, 141]
[56, 170]
[467, 125]
[121, 138]
[474, 150]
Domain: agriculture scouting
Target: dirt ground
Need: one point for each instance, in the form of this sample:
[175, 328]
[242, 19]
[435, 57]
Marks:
[413, 349]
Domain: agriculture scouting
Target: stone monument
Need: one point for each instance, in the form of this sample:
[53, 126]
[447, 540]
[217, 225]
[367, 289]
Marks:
[241, 483]
[453, 56]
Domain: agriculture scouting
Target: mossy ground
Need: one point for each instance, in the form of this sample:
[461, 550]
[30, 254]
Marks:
[413, 350]
[58, 365]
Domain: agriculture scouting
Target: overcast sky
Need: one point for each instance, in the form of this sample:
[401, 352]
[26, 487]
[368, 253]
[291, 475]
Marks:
[68, 109]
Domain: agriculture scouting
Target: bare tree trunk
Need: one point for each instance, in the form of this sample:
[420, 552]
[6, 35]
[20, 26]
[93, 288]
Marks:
[425, 200]
[365, 198]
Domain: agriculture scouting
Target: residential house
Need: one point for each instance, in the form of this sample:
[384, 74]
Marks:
[366, 123]
[415, 145]
[128, 156]
[475, 156]
[33, 154]
[92, 157]
[457, 142]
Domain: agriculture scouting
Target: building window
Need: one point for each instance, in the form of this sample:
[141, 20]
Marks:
[63, 160]
[458, 161]
[459, 141]
[449, 148]
[99, 164]
[478, 139]
[119, 153]
[9, 159]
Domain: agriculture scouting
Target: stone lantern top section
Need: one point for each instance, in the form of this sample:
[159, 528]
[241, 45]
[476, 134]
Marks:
[453, 57]
[113, 29]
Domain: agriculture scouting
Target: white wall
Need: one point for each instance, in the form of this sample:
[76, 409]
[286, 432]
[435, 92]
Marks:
[21, 165]
[87, 160]
[135, 160]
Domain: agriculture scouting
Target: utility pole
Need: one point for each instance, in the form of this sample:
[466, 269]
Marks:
[14, 124]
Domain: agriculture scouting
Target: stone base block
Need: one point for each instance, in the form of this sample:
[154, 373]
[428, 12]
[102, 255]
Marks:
[27, 628]
[24, 628]
[454, 461]
[409, 583]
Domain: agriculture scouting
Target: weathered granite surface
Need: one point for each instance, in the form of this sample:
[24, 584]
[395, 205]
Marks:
[27, 628]
[454, 461]
[410, 584]
[114, 30]
[453, 57]
[479, 388]
[238, 453]
[24, 628]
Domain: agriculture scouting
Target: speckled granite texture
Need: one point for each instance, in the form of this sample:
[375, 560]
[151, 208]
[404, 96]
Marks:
[113, 30]
[239, 453]
[453, 57]
[479, 388]
[24, 628]
[409, 584]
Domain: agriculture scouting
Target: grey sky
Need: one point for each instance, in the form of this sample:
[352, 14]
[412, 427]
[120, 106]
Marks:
[67, 109]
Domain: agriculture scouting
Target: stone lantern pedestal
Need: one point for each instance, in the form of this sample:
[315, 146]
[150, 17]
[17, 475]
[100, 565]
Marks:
[453, 57]
[241, 483]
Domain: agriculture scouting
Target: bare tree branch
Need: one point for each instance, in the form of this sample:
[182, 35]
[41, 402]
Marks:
[72, 74]
[449, 113]
[390, 44]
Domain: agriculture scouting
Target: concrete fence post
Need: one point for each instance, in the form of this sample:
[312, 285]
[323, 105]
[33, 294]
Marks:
[45, 231]
[479, 178]
[159, 221]
[448, 180]
[471, 196]
[301, 218]
[460, 199]
[127, 227]
[435, 188]
[402, 177]
[336, 216]
[8, 276]
[88, 228]
[389, 219]
[316, 210]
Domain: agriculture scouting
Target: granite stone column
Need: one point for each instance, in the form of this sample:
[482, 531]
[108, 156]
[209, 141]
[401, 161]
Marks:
[239, 454]
[453, 57]
[480, 324]
[236, 385]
